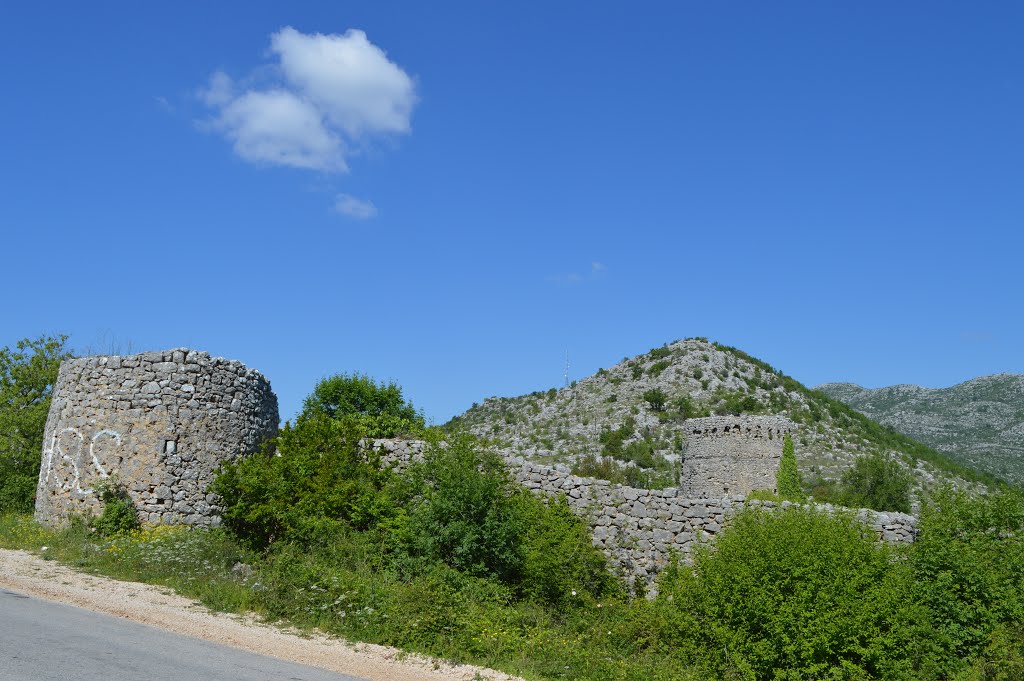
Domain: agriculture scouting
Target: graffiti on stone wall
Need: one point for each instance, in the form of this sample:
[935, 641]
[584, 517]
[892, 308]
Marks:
[66, 462]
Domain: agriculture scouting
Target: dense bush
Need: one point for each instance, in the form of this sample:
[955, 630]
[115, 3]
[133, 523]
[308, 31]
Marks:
[879, 482]
[119, 515]
[794, 594]
[27, 374]
[968, 564]
[457, 509]
[463, 510]
[316, 482]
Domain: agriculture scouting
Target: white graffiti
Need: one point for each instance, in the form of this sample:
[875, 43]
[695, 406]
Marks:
[75, 459]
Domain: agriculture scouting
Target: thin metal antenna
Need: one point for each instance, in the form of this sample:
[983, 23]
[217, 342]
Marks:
[566, 368]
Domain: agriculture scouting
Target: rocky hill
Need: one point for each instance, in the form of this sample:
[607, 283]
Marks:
[625, 423]
[979, 423]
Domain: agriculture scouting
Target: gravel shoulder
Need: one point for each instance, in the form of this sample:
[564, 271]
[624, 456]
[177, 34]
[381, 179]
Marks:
[29, 574]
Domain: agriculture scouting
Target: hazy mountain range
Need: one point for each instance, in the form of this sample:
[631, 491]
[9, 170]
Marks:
[979, 423]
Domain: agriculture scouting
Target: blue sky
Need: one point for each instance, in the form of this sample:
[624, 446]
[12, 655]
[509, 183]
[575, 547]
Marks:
[454, 195]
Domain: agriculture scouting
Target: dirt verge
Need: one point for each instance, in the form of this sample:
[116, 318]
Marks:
[29, 574]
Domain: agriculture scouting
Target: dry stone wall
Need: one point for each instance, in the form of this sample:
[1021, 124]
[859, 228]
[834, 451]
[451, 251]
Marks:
[729, 455]
[161, 422]
[638, 528]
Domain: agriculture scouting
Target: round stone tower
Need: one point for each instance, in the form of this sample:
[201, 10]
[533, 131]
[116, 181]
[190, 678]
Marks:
[160, 422]
[726, 455]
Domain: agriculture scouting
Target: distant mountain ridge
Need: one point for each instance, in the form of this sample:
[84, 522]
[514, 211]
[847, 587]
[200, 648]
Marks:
[633, 414]
[979, 423]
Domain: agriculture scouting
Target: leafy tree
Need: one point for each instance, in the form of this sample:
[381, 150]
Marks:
[789, 483]
[656, 399]
[27, 374]
[877, 482]
[378, 408]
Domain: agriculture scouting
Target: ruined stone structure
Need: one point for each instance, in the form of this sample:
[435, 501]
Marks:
[161, 422]
[637, 528]
[728, 455]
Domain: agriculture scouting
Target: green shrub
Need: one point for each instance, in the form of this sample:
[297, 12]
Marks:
[658, 367]
[794, 594]
[878, 482]
[607, 468]
[316, 481]
[466, 512]
[463, 510]
[968, 561]
[660, 353]
[561, 566]
[612, 440]
[119, 515]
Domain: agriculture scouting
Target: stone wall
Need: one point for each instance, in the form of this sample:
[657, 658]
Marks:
[161, 422]
[637, 528]
[728, 455]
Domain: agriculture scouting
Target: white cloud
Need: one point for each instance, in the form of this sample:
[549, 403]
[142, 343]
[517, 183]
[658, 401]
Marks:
[597, 270]
[355, 208]
[331, 94]
[279, 128]
[219, 91]
[349, 78]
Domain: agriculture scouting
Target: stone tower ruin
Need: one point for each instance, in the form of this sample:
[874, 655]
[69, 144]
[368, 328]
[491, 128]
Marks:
[161, 422]
[725, 455]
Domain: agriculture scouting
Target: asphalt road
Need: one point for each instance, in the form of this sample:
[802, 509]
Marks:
[44, 641]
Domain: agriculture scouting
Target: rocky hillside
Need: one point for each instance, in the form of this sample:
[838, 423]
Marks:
[979, 423]
[625, 423]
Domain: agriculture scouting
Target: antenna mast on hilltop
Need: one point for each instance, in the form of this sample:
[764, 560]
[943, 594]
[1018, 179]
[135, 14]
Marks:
[566, 368]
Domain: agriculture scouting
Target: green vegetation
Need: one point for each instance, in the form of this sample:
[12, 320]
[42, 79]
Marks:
[378, 409]
[783, 594]
[794, 595]
[878, 482]
[27, 374]
[663, 352]
[612, 440]
[656, 399]
[874, 481]
[660, 475]
[658, 367]
[968, 567]
[448, 557]
[119, 515]
[788, 479]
